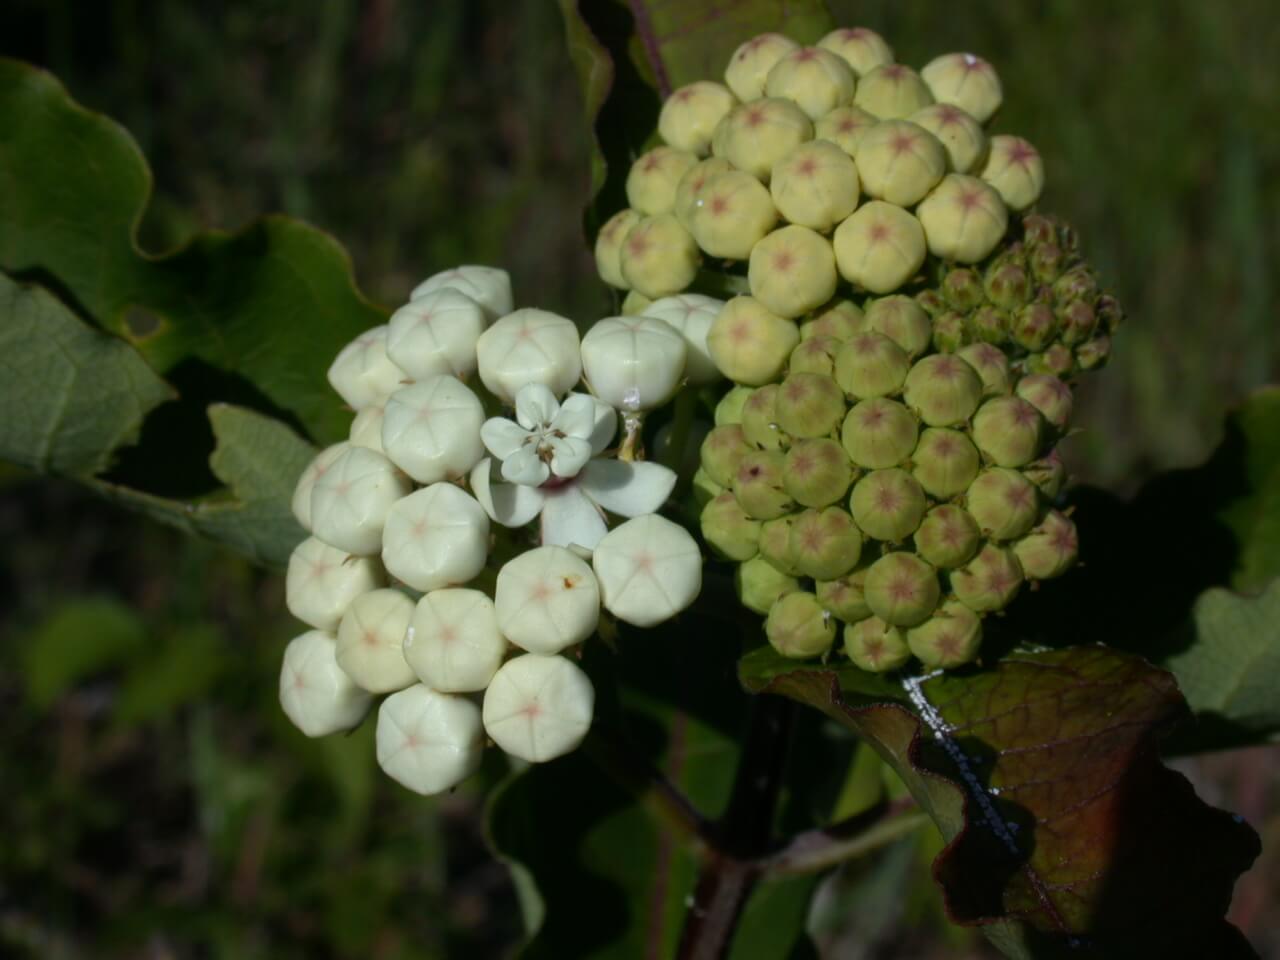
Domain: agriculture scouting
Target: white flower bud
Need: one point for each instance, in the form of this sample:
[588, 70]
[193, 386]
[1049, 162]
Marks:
[350, 500]
[880, 247]
[547, 599]
[690, 114]
[749, 344]
[371, 641]
[845, 127]
[963, 219]
[428, 741]
[320, 463]
[609, 244]
[891, 91]
[862, 49]
[323, 581]
[733, 212]
[792, 271]
[814, 79]
[436, 537]
[659, 257]
[752, 61]
[529, 346]
[362, 373]
[1015, 170]
[691, 316]
[538, 708]
[487, 286]
[431, 429]
[967, 81]
[649, 570]
[651, 184]
[316, 695]
[453, 643]
[761, 133]
[815, 185]
[900, 162]
[633, 363]
[366, 428]
[436, 333]
[960, 135]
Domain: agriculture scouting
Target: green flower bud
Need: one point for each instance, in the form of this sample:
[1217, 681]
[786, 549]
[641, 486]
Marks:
[1077, 283]
[809, 405]
[763, 132]
[960, 135]
[875, 646]
[1057, 360]
[887, 505]
[817, 472]
[651, 184]
[1007, 285]
[759, 584]
[729, 409]
[704, 488]
[1038, 230]
[931, 302]
[890, 91]
[840, 319]
[948, 537]
[903, 321]
[990, 324]
[1049, 395]
[879, 433]
[845, 595]
[792, 271]
[752, 61]
[775, 544]
[659, 257]
[992, 366]
[1109, 312]
[635, 303]
[1046, 262]
[945, 462]
[1093, 353]
[729, 531]
[1015, 170]
[1078, 322]
[879, 247]
[990, 581]
[1009, 431]
[871, 365]
[967, 81]
[1050, 549]
[692, 188]
[749, 344]
[824, 543]
[950, 638]
[732, 215]
[690, 115]
[1034, 326]
[815, 185]
[902, 589]
[963, 219]
[845, 127]
[609, 246]
[798, 627]
[862, 49]
[815, 354]
[1003, 502]
[900, 162]
[760, 419]
[962, 289]
[942, 390]
[950, 332]
[722, 452]
[1049, 474]
[759, 487]
[813, 78]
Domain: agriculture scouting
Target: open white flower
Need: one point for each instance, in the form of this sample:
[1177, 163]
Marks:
[551, 459]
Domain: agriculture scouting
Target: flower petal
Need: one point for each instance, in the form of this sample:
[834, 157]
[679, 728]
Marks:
[503, 437]
[604, 425]
[577, 416]
[510, 504]
[569, 517]
[627, 489]
[525, 467]
[536, 406]
[568, 455]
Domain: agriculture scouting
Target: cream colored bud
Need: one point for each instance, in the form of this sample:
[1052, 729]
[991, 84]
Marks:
[960, 135]
[431, 429]
[964, 219]
[323, 581]
[320, 463]
[436, 333]
[436, 537]
[362, 373]
[609, 246]
[529, 346]
[749, 344]
[733, 213]
[763, 132]
[316, 695]
[693, 186]
[900, 162]
[427, 741]
[845, 127]
[862, 49]
[1016, 171]
[752, 61]
[488, 286]
[892, 91]
[633, 363]
[691, 316]
[454, 644]
[538, 707]
[690, 114]
[815, 185]
[371, 641]
[792, 271]
[659, 257]
[879, 247]
[967, 81]
[814, 79]
[651, 184]
[351, 499]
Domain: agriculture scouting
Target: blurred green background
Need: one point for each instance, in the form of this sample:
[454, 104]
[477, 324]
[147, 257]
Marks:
[157, 804]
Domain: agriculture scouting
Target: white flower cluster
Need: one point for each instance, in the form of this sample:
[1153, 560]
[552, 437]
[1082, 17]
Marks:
[397, 578]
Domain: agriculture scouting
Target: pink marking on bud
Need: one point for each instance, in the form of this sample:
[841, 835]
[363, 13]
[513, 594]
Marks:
[783, 261]
[895, 72]
[902, 143]
[1020, 152]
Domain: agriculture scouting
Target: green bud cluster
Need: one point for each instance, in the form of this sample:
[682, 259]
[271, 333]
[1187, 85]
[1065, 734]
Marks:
[883, 466]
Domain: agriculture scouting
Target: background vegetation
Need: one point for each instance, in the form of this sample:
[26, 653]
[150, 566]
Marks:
[159, 805]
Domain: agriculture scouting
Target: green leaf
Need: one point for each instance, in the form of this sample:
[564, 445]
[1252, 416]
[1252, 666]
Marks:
[79, 639]
[1253, 435]
[172, 675]
[71, 395]
[1066, 836]
[271, 304]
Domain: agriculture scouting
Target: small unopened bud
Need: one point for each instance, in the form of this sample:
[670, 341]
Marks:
[810, 405]
[943, 390]
[729, 409]
[862, 49]
[825, 544]
[760, 420]
[351, 499]
[871, 365]
[454, 644]
[431, 429]
[902, 320]
[659, 257]
[649, 569]
[362, 373]
[817, 472]
[1048, 474]
[1015, 170]
[963, 219]
[427, 741]
[759, 485]
[891, 91]
[815, 354]
[689, 116]
[792, 271]
[691, 316]
[1004, 503]
[840, 319]
[547, 599]
[902, 589]
[950, 638]
[436, 537]
[609, 246]
[1049, 395]
[879, 433]
[733, 213]
[845, 127]
[749, 344]
[992, 365]
[966, 81]
[991, 324]
[950, 332]
[529, 346]
[729, 531]
[752, 61]
[371, 641]
[990, 581]
[875, 646]
[815, 185]
[960, 135]
[945, 462]
[488, 286]
[435, 334]
[900, 162]
[888, 505]
[693, 186]
[1093, 353]
[1050, 549]
[319, 465]
[948, 537]
[633, 363]
[761, 133]
[879, 247]
[775, 544]
[1009, 431]
[651, 184]
[539, 707]
[813, 78]
[1034, 326]
[315, 693]
[323, 581]
[759, 584]
[845, 596]
[722, 451]
[798, 627]
[962, 289]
